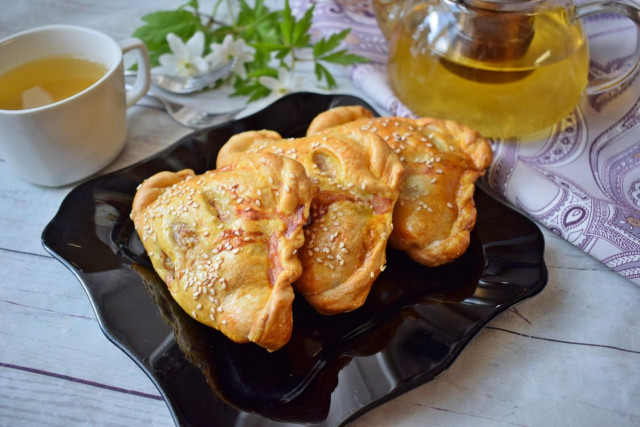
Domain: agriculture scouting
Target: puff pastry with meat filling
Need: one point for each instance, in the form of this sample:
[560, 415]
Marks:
[225, 242]
[443, 160]
[359, 179]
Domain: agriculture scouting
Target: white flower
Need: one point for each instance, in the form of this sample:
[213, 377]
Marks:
[185, 59]
[281, 85]
[221, 53]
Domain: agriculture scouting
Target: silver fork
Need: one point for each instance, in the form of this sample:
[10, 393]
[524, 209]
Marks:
[191, 84]
[192, 117]
[187, 115]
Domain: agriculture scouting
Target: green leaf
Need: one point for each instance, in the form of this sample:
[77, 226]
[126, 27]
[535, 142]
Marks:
[263, 72]
[158, 24]
[322, 72]
[301, 28]
[325, 45]
[268, 46]
[191, 3]
[286, 24]
[343, 57]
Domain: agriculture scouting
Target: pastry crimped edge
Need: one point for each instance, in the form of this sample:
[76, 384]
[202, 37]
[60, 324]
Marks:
[384, 166]
[443, 251]
[470, 142]
[276, 315]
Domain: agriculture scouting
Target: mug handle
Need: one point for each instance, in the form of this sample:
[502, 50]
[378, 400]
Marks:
[619, 8]
[141, 85]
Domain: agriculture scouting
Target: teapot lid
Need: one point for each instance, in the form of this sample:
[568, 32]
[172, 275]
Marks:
[503, 5]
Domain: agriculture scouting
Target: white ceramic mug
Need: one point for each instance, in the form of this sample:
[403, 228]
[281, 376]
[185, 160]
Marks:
[71, 139]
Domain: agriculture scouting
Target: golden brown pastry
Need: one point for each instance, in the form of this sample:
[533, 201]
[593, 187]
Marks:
[359, 179]
[443, 159]
[225, 242]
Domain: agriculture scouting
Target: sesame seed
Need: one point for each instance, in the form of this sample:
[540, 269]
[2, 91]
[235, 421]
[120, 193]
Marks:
[224, 321]
[319, 260]
[372, 275]
[449, 205]
[220, 309]
[199, 307]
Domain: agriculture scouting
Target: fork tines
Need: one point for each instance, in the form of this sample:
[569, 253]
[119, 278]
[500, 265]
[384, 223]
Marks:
[209, 77]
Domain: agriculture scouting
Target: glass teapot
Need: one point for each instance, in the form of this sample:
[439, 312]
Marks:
[504, 67]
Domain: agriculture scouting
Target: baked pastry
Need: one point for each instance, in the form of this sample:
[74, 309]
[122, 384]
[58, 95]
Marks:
[225, 242]
[359, 178]
[443, 159]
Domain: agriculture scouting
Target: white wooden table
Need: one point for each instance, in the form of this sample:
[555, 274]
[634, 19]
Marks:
[570, 356]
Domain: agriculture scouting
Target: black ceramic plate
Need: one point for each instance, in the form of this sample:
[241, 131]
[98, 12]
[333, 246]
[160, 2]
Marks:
[415, 322]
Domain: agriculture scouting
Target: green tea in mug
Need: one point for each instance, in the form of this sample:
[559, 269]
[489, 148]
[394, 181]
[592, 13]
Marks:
[47, 80]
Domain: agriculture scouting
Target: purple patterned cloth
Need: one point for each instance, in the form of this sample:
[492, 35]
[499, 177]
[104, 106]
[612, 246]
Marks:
[582, 178]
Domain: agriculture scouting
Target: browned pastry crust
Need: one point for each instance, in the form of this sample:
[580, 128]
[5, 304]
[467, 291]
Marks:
[225, 243]
[359, 179]
[443, 160]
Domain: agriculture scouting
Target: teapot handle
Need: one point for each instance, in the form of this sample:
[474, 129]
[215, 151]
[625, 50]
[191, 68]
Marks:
[618, 7]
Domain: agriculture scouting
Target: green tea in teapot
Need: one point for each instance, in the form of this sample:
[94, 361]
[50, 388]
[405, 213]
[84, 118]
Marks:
[437, 69]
